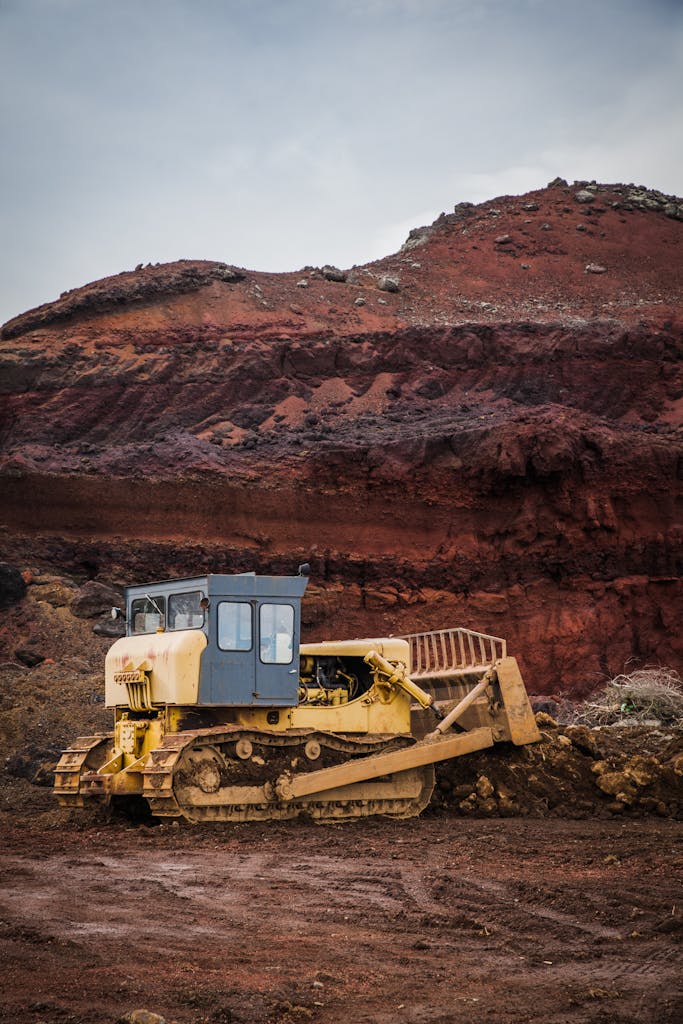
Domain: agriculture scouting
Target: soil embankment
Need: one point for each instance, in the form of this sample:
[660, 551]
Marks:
[482, 429]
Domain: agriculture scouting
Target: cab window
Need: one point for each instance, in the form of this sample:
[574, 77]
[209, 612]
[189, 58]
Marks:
[276, 631]
[148, 614]
[184, 611]
[234, 626]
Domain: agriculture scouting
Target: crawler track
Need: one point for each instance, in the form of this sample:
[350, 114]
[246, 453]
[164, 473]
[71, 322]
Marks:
[229, 774]
[76, 772]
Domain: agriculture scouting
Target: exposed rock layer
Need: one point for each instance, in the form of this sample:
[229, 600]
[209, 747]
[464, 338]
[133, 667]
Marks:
[496, 444]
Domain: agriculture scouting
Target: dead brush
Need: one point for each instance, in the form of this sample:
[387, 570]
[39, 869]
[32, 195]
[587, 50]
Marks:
[646, 695]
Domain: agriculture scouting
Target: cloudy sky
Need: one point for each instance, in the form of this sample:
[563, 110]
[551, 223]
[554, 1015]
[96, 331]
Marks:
[272, 134]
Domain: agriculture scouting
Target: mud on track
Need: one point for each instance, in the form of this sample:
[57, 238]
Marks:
[420, 921]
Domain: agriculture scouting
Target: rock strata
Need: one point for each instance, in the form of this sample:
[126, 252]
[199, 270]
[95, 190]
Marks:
[493, 442]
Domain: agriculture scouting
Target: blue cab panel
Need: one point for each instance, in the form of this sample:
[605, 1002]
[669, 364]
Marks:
[252, 624]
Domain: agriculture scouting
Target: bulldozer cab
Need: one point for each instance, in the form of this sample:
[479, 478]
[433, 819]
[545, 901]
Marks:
[252, 628]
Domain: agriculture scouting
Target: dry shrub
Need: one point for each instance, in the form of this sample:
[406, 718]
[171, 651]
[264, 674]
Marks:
[646, 695]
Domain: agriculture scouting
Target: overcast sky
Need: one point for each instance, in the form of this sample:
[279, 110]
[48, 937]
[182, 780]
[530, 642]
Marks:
[272, 134]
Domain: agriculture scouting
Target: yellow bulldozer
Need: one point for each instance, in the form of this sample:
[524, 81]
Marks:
[221, 714]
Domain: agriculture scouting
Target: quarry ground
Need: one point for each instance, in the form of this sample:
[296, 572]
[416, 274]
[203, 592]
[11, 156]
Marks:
[567, 908]
[432, 919]
[497, 444]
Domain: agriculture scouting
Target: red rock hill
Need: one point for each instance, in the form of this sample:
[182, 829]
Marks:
[482, 429]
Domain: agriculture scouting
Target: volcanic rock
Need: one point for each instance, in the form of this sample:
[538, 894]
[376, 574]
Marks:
[93, 599]
[12, 585]
[28, 657]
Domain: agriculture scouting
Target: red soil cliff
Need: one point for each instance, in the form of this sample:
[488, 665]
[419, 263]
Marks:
[483, 429]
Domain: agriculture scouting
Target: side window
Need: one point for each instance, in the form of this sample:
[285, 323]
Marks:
[148, 614]
[184, 611]
[276, 631]
[234, 626]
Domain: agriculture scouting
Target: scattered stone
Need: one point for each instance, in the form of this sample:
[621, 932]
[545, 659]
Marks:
[595, 268]
[545, 720]
[674, 211]
[484, 787]
[55, 591]
[113, 628]
[94, 598]
[333, 274]
[28, 657]
[222, 272]
[142, 1017]
[388, 284]
[416, 237]
[584, 196]
[12, 585]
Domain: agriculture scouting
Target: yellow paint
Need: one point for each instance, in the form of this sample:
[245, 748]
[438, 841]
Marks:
[393, 649]
[368, 713]
[169, 660]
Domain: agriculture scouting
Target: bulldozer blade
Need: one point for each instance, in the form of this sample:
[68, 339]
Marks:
[521, 719]
[360, 769]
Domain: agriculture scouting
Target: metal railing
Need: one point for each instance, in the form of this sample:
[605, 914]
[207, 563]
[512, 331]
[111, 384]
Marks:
[452, 652]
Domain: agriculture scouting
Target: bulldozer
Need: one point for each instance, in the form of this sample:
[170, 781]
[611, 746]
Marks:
[221, 714]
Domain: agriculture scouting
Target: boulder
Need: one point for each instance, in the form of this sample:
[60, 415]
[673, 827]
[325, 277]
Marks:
[333, 274]
[28, 657]
[12, 585]
[388, 284]
[94, 598]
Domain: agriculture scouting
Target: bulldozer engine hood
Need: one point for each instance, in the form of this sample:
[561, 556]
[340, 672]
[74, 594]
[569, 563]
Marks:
[154, 669]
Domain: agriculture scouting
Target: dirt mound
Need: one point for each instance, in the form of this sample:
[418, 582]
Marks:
[574, 772]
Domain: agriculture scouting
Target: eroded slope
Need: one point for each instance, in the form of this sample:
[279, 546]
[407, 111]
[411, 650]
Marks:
[496, 442]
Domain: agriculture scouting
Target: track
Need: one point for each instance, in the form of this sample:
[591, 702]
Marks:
[228, 775]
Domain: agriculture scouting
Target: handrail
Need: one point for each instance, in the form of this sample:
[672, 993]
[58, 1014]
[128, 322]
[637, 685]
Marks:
[445, 652]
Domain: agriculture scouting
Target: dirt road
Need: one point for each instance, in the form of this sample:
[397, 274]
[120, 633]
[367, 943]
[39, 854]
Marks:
[421, 921]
